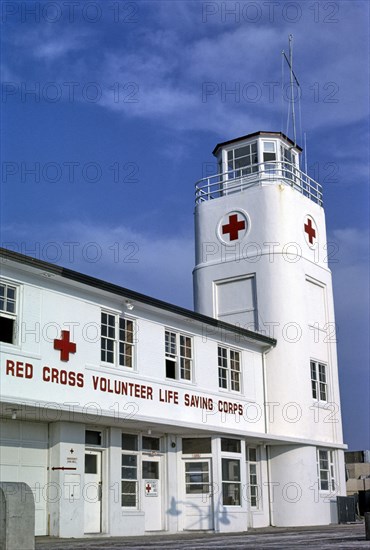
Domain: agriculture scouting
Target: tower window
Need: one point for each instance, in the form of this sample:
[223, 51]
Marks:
[269, 156]
[326, 470]
[319, 384]
[243, 160]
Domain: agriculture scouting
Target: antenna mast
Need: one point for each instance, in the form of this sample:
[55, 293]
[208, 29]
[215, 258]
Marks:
[291, 86]
[292, 76]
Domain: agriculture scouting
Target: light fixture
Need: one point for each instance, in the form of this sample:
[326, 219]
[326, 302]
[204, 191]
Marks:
[149, 432]
[130, 306]
[14, 414]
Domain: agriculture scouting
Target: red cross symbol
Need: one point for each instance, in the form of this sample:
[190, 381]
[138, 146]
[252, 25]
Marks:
[148, 487]
[65, 346]
[233, 227]
[310, 230]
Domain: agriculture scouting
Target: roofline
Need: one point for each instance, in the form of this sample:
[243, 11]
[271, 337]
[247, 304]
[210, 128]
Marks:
[261, 133]
[132, 295]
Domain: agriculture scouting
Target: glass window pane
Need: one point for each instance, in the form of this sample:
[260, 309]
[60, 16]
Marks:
[230, 469]
[129, 460]
[150, 470]
[92, 437]
[269, 146]
[129, 442]
[150, 443]
[242, 151]
[91, 464]
[268, 157]
[129, 500]
[129, 473]
[252, 454]
[196, 445]
[196, 467]
[230, 445]
[231, 494]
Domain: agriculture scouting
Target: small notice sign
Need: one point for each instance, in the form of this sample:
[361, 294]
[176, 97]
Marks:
[151, 487]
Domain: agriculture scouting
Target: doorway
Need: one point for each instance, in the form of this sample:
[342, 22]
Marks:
[93, 492]
[151, 492]
[198, 494]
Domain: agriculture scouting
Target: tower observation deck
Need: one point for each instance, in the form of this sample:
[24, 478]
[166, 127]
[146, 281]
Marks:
[261, 158]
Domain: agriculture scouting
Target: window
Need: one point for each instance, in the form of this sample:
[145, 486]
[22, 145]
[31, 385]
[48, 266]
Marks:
[230, 445]
[229, 369]
[129, 480]
[199, 445]
[318, 381]
[230, 482]
[129, 471]
[150, 443]
[243, 160]
[326, 472]
[289, 161]
[197, 478]
[269, 156]
[8, 296]
[117, 340]
[93, 437]
[178, 349]
[253, 487]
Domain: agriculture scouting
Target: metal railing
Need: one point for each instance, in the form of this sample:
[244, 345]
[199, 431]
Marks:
[234, 181]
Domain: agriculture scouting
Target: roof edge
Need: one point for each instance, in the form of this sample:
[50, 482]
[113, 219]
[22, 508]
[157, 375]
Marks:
[133, 295]
[254, 134]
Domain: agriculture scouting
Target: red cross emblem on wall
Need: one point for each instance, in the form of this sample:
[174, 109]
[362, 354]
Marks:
[65, 346]
[310, 231]
[235, 223]
[148, 487]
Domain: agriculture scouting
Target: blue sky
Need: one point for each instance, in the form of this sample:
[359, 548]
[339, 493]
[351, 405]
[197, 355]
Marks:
[128, 101]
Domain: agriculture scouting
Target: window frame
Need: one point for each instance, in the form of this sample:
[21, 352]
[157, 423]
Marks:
[116, 340]
[251, 157]
[141, 453]
[330, 470]
[230, 375]
[12, 315]
[229, 483]
[319, 386]
[177, 357]
[254, 489]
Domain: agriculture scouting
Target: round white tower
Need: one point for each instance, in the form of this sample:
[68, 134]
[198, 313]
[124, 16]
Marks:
[261, 262]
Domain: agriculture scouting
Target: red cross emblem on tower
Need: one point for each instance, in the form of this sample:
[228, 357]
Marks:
[148, 487]
[233, 227]
[65, 346]
[310, 230]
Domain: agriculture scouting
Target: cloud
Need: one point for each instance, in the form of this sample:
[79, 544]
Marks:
[172, 54]
[49, 42]
[149, 264]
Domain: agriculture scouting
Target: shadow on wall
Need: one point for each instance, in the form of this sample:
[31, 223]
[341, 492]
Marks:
[200, 518]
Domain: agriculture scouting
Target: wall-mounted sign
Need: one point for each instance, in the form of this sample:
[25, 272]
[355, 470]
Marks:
[151, 487]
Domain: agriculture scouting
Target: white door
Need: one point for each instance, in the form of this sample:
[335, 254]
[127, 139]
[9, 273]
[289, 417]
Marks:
[92, 492]
[198, 494]
[24, 457]
[151, 493]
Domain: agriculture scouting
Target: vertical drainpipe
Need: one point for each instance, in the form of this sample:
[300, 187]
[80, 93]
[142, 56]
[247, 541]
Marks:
[266, 432]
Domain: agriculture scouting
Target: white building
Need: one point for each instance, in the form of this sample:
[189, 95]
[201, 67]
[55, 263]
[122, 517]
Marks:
[128, 415]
